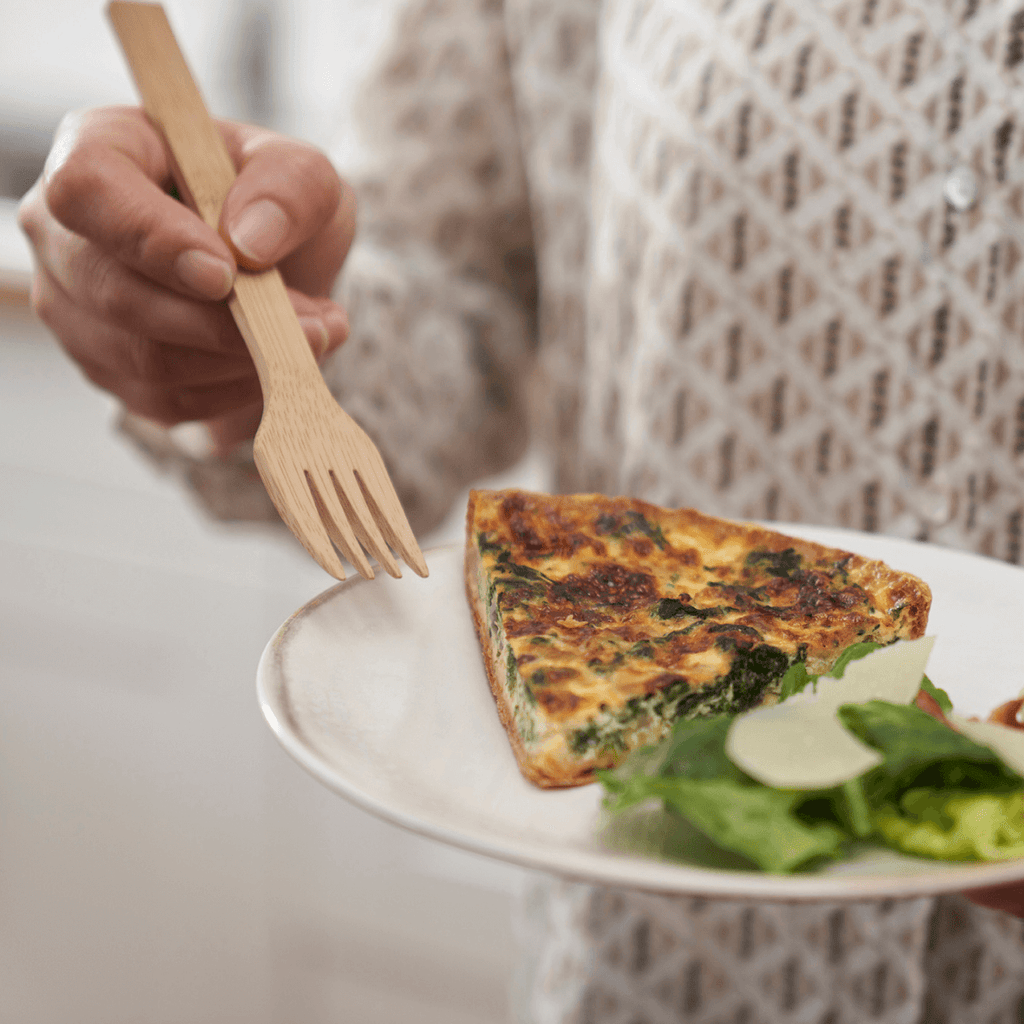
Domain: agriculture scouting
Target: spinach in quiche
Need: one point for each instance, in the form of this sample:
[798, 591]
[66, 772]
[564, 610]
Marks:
[604, 621]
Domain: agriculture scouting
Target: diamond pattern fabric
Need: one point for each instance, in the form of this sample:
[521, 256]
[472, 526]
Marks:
[615, 956]
[760, 257]
[790, 318]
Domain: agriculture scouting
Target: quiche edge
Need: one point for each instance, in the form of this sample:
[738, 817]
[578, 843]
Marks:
[547, 772]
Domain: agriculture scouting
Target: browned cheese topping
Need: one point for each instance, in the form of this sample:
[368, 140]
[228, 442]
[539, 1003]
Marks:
[603, 599]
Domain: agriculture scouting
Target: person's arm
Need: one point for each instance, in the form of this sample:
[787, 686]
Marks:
[130, 281]
[440, 282]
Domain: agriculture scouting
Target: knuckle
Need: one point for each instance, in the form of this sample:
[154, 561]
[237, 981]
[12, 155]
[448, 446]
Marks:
[345, 218]
[148, 361]
[311, 165]
[42, 299]
[322, 167]
[110, 290]
[161, 405]
[72, 171]
[96, 374]
[68, 187]
[347, 195]
[315, 163]
[347, 203]
[70, 128]
[30, 213]
[143, 235]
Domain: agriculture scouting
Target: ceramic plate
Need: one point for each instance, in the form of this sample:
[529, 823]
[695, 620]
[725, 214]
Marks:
[377, 689]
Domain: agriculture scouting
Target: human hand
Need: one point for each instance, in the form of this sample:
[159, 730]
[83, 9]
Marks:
[1008, 898]
[131, 281]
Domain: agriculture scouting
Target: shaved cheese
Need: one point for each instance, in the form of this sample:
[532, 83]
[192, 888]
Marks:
[797, 748]
[1008, 743]
[801, 744]
[891, 673]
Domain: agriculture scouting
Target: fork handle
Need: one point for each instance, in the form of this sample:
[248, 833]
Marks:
[204, 173]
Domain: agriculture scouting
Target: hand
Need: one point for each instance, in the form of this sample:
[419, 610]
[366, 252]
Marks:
[1008, 898]
[131, 281]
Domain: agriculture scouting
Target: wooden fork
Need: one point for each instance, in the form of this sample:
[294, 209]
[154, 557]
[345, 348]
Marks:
[324, 475]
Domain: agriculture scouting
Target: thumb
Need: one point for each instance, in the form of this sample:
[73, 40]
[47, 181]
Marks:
[287, 201]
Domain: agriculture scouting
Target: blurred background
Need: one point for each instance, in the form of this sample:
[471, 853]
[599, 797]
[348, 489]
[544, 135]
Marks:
[161, 859]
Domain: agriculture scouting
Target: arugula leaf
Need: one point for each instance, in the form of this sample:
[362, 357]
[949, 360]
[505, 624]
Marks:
[937, 793]
[919, 751]
[755, 821]
[692, 775]
[797, 678]
[695, 749]
[937, 694]
[858, 810]
[852, 653]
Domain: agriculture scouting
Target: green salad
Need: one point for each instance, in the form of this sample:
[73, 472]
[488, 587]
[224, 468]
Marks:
[839, 762]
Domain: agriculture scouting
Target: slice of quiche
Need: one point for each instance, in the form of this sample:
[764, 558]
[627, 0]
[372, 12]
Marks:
[605, 620]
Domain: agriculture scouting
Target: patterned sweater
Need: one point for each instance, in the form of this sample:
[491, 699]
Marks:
[772, 251]
[761, 257]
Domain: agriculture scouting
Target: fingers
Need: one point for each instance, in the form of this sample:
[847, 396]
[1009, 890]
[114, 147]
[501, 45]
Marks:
[288, 207]
[232, 428]
[115, 354]
[119, 296]
[106, 182]
[128, 278]
[158, 382]
[1007, 898]
[109, 354]
[314, 266]
[105, 287]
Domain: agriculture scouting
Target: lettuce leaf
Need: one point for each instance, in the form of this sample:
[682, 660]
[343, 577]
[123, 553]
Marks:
[936, 794]
[934, 823]
[695, 749]
[694, 778]
[797, 678]
[919, 751]
[752, 820]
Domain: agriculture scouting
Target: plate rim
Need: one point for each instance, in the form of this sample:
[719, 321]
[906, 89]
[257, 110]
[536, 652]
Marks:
[607, 866]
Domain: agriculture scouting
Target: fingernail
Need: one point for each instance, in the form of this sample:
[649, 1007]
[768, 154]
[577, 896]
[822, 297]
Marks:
[259, 231]
[203, 273]
[314, 329]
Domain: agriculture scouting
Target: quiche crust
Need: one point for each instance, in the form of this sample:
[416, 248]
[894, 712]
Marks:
[602, 621]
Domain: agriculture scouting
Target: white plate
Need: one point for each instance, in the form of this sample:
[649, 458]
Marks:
[378, 690]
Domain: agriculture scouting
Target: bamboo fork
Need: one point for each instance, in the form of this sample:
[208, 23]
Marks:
[324, 475]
